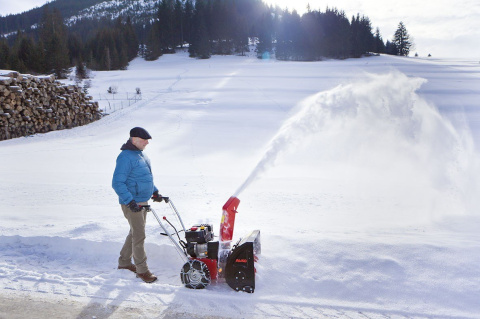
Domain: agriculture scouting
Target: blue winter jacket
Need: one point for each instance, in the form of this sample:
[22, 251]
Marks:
[133, 177]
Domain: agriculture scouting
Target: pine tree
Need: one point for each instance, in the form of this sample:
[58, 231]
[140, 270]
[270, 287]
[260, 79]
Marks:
[265, 35]
[40, 49]
[402, 40]
[378, 45]
[107, 59]
[131, 39]
[54, 37]
[27, 55]
[390, 48]
[75, 48]
[153, 48]
[221, 26]
[165, 25]
[289, 37]
[112, 47]
[361, 35]
[4, 53]
[337, 30]
[238, 30]
[312, 36]
[80, 71]
[187, 22]
[178, 19]
[200, 45]
[14, 62]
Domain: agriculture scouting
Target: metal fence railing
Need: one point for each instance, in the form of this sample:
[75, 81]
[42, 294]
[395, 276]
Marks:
[111, 102]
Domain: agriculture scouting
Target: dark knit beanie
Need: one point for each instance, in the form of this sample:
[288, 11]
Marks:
[140, 132]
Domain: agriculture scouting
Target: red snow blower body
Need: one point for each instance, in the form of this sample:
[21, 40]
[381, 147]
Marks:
[207, 260]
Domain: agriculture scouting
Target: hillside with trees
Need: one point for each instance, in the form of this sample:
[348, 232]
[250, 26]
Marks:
[107, 35]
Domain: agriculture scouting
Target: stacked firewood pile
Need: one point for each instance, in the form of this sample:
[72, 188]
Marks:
[38, 104]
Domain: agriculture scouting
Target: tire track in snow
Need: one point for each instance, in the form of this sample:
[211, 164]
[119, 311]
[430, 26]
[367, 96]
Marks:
[114, 287]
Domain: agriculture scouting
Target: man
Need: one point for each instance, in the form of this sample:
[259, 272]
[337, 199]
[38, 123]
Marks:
[133, 183]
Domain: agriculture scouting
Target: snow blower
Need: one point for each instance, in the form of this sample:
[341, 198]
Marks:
[207, 260]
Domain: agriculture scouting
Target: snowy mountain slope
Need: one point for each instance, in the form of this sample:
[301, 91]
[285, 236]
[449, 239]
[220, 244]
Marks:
[140, 12]
[137, 10]
[363, 191]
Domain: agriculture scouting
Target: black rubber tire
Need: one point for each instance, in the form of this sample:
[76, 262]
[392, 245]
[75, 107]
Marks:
[195, 274]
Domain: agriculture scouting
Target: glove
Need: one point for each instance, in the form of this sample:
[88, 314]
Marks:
[156, 197]
[134, 206]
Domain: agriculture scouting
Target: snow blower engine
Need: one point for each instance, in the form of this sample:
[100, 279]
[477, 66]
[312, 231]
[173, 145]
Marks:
[207, 260]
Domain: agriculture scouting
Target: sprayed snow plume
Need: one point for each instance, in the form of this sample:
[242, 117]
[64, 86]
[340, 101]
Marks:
[377, 122]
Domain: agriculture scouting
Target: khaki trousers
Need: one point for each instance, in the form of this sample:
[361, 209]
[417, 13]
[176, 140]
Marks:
[134, 245]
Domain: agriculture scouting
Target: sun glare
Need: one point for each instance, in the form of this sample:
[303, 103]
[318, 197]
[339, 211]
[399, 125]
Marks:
[299, 5]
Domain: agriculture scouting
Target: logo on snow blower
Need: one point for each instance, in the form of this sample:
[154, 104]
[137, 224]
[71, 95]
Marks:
[238, 260]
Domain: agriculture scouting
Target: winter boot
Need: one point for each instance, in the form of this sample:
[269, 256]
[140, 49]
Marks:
[130, 267]
[148, 277]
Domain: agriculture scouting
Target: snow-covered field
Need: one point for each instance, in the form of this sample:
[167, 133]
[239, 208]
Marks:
[362, 175]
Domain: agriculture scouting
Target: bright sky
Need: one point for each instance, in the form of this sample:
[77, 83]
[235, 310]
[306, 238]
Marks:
[443, 28]
[18, 6]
